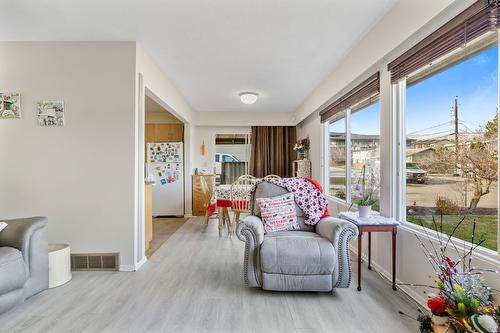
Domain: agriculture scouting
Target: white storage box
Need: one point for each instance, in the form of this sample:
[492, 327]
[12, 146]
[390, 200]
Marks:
[59, 264]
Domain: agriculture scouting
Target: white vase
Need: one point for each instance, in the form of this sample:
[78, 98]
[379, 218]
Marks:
[364, 211]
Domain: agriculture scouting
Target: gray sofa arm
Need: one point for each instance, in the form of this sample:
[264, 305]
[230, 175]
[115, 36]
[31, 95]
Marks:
[29, 235]
[340, 233]
[251, 231]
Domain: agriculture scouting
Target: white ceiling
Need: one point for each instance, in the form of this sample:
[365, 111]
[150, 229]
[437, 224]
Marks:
[213, 50]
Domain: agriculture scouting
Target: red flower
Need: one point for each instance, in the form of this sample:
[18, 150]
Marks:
[437, 305]
[449, 261]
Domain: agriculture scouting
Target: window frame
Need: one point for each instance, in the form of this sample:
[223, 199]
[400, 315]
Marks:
[326, 150]
[398, 109]
[348, 150]
[248, 144]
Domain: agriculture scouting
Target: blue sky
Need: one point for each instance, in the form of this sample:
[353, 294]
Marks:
[428, 103]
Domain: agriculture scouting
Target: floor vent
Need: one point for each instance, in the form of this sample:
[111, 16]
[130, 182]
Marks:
[94, 261]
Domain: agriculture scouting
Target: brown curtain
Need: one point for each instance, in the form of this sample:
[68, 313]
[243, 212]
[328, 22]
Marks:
[272, 150]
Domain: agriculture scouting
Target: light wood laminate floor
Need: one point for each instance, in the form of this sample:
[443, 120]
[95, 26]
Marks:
[163, 228]
[193, 283]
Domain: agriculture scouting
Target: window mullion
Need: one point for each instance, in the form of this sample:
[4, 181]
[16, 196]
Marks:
[498, 145]
[247, 153]
[325, 158]
[348, 157]
[401, 150]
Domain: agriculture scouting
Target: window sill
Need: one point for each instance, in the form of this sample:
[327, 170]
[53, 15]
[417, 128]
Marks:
[490, 256]
[345, 203]
[339, 201]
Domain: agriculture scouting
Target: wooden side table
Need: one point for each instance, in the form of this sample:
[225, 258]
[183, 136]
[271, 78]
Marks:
[374, 223]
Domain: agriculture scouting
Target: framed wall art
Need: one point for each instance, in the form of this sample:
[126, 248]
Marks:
[50, 113]
[10, 105]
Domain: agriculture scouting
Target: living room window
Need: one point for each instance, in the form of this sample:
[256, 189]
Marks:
[353, 150]
[365, 149]
[449, 119]
[337, 157]
[352, 128]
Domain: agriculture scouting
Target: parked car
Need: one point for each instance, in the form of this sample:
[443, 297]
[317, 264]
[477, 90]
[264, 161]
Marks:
[223, 157]
[414, 174]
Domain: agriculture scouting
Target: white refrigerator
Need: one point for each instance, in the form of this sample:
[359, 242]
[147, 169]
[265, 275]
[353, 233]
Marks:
[166, 168]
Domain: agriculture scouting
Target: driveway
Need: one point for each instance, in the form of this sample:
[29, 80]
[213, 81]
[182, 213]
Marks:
[452, 187]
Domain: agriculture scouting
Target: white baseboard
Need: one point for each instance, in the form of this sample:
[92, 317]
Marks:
[127, 268]
[133, 268]
[140, 263]
[188, 215]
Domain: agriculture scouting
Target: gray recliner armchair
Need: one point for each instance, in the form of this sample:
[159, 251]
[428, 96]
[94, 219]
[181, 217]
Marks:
[24, 260]
[314, 258]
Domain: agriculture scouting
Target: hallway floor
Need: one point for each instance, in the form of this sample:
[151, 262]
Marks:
[163, 228]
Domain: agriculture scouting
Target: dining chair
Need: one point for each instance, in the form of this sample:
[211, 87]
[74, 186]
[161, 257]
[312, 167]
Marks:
[241, 191]
[207, 197]
[272, 177]
[247, 177]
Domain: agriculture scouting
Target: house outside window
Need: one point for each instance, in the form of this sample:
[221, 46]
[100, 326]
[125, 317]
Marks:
[365, 151]
[354, 152]
[337, 157]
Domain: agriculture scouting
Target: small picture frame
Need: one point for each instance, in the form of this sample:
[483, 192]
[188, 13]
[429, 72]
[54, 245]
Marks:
[10, 105]
[50, 113]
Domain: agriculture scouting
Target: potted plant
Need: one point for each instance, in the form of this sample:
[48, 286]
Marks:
[366, 192]
[302, 148]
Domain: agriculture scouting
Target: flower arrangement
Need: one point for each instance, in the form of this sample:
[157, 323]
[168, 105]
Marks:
[367, 187]
[302, 147]
[462, 302]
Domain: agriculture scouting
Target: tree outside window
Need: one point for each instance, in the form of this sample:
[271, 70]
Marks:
[452, 147]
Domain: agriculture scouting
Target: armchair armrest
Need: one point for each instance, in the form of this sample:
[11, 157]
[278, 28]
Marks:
[252, 224]
[340, 233]
[18, 232]
[29, 235]
[251, 231]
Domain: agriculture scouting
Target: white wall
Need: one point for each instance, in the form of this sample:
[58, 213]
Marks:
[244, 119]
[311, 127]
[206, 134]
[81, 175]
[158, 83]
[164, 93]
[403, 26]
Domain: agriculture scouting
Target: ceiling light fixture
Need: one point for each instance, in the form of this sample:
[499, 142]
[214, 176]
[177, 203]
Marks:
[248, 97]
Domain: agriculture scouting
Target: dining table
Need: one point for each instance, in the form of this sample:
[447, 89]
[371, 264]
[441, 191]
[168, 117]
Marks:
[221, 202]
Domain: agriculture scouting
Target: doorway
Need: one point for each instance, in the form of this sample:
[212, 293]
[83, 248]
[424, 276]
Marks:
[163, 173]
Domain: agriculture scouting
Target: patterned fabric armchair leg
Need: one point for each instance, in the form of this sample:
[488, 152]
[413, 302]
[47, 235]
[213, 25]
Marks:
[314, 258]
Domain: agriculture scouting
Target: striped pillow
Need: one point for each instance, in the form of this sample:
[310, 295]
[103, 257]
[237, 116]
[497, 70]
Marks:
[278, 213]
